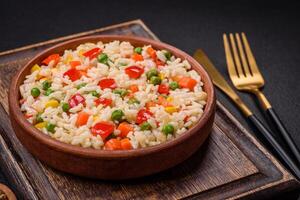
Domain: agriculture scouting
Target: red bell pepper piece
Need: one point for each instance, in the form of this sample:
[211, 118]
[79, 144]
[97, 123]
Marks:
[76, 99]
[54, 57]
[103, 101]
[143, 115]
[107, 83]
[134, 71]
[73, 74]
[163, 89]
[93, 53]
[104, 129]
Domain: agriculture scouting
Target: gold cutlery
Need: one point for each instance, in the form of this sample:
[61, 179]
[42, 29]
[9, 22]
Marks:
[246, 77]
[221, 83]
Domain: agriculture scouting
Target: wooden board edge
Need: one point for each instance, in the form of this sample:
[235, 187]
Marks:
[16, 176]
[16, 172]
[147, 29]
[268, 190]
[287, 180]
[71, 36]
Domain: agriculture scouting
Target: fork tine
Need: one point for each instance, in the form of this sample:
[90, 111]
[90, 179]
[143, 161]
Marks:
[236, 56]
[229, 59]
[252, 63]
[242, 54]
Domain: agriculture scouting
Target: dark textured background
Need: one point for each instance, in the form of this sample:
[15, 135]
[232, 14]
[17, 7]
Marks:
[272, 28]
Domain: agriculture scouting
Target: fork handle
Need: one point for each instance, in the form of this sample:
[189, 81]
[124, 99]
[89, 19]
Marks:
[270, 112]
[276, 146]
[281, 128]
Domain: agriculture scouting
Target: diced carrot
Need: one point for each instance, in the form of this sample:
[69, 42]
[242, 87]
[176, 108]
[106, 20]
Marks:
[159, 62]
[134, 88]
[83, 73]
[151, 52]
[177, 78]
[137, 57]
[39, 77]
[125, 144]
[82, 119]
[125, 128]
[187, 82]
[54, 57]
[113, 144]
[28, 116]
[150, 104]
[74, 64]
[163, 101]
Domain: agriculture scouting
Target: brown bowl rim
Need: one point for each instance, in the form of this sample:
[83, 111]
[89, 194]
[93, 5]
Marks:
[99, 153]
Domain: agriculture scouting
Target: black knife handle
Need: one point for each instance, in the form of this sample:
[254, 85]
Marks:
[280, 127]
[276, 146]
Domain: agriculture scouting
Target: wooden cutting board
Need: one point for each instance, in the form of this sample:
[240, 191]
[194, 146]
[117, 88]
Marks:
[231, 164]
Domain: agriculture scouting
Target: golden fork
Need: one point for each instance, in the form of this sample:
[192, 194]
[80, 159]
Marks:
[222, 84]
[245, 76]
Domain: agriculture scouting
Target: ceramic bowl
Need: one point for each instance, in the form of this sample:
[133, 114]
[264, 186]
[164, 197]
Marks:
[105, 164]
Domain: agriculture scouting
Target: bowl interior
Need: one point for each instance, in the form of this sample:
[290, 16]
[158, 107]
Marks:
[18, 79]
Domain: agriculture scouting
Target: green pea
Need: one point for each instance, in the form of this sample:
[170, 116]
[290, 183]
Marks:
[39, 118]
[168, 129]
[138, 50]
[121, 92]
[117, 115]
[173, 85]
[95, 94]
[167, 54]
[81, 85]
[145, 126]
[50, 127]
[133, 101]
[65, 107]
[46, 85]
[155, 80]
[103, 58]
[151, 73]
[35, 92]
[49, 91]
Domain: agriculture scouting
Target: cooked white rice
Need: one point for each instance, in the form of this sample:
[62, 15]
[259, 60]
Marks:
[179, 107]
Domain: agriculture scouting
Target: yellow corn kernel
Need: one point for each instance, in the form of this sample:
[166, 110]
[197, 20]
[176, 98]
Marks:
[52, 103]
[35, 67]
[81, 51]
[40, 125]
[169, 99]
[170, 109]
[161, 76]
[68, 59]
[96, 118]
[39, 77]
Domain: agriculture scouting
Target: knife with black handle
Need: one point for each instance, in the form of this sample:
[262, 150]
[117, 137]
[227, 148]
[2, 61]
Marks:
[222, 84]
